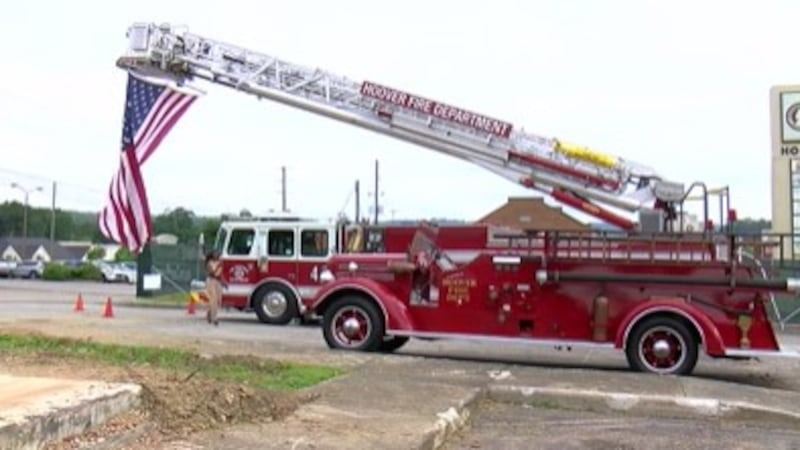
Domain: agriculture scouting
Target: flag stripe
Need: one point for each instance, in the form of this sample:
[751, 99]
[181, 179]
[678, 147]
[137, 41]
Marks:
[148, 120]
[124, 216]
[139, 205]
[164, 126]
[153, 120]
[151, 110]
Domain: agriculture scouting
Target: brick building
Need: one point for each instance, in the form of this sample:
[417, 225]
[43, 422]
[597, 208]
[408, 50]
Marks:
[532, 213]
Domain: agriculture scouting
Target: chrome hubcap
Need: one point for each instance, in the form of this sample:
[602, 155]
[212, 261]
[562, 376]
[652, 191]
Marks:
[275, 304]
[351, 327]
[662, 350]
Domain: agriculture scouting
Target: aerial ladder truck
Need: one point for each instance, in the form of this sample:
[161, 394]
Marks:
[590, 181]
[667, 300]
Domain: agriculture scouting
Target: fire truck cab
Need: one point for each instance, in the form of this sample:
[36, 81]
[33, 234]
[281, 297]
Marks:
[271, 263]
[274, 265]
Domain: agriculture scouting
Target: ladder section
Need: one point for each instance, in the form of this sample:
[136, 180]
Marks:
[571, 174]
[616, 247]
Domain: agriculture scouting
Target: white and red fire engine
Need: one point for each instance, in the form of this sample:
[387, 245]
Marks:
[655, 292]
[275, 264]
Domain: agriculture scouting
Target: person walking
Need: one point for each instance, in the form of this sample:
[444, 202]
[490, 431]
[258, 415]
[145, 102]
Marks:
[214, 285]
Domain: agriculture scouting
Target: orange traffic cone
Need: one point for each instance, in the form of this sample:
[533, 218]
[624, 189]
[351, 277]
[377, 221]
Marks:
[78, 303]
[190, 308]
[108, 310]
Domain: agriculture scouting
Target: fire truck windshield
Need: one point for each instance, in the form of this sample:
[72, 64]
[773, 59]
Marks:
[424, 244]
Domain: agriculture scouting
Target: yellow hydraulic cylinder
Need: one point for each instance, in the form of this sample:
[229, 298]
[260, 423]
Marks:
[584, 153]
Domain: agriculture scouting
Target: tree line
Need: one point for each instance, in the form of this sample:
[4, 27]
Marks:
[82, 226]
[181, 222]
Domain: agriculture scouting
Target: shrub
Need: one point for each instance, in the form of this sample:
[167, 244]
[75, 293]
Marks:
[56, 272]
[60, 272]
[86, 272]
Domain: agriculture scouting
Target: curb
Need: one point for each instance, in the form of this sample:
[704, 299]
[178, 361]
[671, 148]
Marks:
[451, 420]
[72, 416]
[652, 405]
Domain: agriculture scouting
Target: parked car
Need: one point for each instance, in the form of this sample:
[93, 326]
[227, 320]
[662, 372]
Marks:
[6, 267]
[28, 269]
[118, 271]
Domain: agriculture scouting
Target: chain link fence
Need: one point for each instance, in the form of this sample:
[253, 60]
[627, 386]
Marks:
[177, 264]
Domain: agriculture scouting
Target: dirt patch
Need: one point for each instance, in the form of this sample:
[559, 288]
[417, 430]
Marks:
[201, 404]
[174, 403]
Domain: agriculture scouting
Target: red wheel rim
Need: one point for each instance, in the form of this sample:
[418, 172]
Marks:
[662, 349]
[351, 326]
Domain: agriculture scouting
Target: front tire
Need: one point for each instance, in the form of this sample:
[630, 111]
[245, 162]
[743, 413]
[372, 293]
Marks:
[275, 304]
[353, 323]
[662, 345]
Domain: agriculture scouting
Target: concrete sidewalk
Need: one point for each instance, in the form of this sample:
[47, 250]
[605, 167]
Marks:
[34, 411]
[401, 404]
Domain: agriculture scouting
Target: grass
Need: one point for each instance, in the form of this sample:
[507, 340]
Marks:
[265, 374]
[171, 299]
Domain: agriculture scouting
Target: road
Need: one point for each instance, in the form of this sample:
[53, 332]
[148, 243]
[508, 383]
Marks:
[504, 426]
[47, 306]
[27, 299]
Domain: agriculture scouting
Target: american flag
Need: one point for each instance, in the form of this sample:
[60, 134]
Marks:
[150, 112]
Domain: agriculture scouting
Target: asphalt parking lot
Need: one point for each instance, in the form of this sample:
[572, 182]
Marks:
[424, 379]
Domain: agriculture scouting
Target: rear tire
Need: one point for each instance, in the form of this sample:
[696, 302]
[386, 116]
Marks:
[662, 345]
[275, 304]
[353, 323]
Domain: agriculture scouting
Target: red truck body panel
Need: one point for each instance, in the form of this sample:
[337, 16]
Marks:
[594, 291]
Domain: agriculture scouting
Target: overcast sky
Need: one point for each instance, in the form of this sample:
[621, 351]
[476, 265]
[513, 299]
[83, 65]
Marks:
[681, 86]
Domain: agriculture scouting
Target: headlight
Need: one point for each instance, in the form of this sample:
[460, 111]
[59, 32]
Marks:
[352, 267]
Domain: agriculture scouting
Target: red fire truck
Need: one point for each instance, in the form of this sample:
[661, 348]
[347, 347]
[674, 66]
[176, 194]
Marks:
[273, 265]
[653, 290]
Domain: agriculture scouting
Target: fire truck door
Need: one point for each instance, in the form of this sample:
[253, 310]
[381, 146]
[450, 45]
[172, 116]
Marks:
[238, 263]
[316, 246]
[281, 254]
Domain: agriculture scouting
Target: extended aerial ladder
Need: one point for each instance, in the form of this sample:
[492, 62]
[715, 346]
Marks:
[576, 176]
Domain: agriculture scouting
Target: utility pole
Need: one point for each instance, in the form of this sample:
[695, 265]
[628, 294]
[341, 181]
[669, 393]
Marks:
[377, 192]
[53, 216]
[358, 202]
[283, 188]
[27, 193]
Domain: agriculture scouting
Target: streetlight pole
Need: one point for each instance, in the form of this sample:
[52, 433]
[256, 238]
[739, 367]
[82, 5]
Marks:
[27, 193]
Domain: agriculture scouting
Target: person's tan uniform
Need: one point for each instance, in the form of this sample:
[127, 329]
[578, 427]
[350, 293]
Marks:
[213, 289]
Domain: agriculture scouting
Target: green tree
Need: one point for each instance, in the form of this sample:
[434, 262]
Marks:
[209, 229]
[40, 222]
[96, 253]
[82, 226]
[751, 226]
[123, 254]
[179, 222]
[11, 219]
